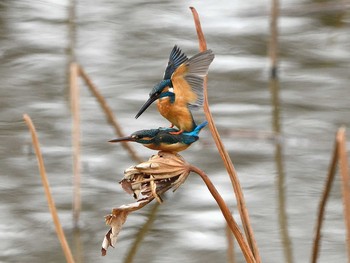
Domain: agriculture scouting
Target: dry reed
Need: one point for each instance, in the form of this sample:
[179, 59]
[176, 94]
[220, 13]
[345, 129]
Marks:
[230, 245]
[243, 211]
[276, 125]
[322, 206]
[109, 114]
[141, 233]
[75, 108]
[59, 231]
[344, 173]
[247, 252]
[339, 156]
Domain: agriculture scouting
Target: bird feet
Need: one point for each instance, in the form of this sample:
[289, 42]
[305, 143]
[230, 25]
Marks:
[177, 132]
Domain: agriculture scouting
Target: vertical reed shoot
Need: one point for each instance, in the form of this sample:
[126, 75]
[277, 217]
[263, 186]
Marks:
[75, 107]
[344, 172]
[276, 125]
[322, 206]
[243, 211]
[59, 231]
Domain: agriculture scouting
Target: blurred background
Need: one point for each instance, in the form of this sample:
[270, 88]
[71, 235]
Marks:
[124, 47]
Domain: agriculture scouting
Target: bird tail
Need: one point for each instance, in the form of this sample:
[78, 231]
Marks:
[196, 130]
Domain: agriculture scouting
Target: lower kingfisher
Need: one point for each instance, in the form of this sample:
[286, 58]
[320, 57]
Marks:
[163, 139]
[181, 89]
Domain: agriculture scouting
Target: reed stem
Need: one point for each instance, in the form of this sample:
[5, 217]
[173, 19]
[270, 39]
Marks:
[75, 107]
[230, 245]
[59, 231]
[141, 233]
[243, 211]
[322, 206]
[344, 172]
[109, 114]
[248, 255]
[276, 125]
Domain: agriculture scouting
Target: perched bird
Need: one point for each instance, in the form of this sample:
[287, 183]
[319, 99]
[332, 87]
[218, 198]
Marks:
[181, 89]
[162, 139]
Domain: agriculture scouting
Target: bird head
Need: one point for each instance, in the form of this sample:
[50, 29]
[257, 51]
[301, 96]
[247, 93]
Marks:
[142, 136]
[161, 90]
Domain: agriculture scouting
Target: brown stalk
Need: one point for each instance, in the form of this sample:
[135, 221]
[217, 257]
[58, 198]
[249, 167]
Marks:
[275, 101]
[322, 206]
[223, 153]
[227, 214]
[75, 107]
[59, 231]
[141, 234]
[230, 246]
[109, 114]
[344, 172]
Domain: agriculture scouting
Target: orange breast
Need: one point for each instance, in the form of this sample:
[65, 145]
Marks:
[177, 113]
[176, 147]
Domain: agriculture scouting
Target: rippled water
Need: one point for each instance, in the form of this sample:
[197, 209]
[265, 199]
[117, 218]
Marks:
[124, 46]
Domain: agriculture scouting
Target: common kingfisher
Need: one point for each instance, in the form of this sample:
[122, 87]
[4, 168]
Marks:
[181, 89]
[164, 139]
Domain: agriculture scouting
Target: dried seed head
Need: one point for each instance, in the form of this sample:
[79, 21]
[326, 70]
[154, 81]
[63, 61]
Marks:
[161, 172]
[146, 181]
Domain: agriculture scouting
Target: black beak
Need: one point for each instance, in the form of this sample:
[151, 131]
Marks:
[123, 139]
[146, 105]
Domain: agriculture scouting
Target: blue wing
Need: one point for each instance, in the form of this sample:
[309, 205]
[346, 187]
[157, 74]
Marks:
[176, 58]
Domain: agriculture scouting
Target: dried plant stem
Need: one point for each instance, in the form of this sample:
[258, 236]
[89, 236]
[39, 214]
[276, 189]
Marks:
[344, 172]
[224, 154]
[109, 114]
[141, 234]
[60, 234]
[230, 246]
[75, 107]
[323, 202]
[227, 214]
[276, 125]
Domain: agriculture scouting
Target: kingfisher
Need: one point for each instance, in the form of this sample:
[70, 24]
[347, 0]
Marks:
[164, 139]
[181, 89]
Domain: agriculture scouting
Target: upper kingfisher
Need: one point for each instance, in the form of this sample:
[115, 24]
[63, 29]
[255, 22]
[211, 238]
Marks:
[181, 88]
[164, 139]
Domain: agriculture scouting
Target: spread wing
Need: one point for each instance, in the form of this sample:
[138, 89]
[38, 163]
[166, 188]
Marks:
[176, 58]
[188, 79]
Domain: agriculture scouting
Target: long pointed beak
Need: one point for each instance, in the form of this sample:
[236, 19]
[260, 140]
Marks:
[146, 105]
[123, 139]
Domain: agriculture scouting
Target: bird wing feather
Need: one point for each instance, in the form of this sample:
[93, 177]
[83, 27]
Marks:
[188, 79]
[176, 58]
